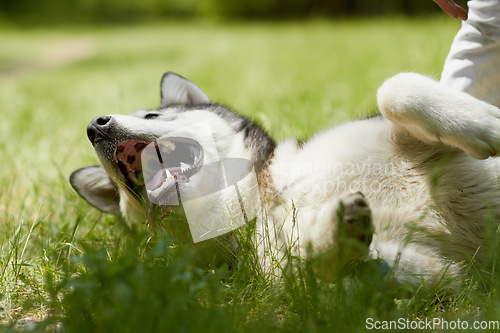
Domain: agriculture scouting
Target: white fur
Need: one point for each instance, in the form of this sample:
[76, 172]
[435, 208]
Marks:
[430, 201]
[394, 162]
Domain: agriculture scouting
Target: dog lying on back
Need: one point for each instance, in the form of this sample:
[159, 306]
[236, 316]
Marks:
[413, 186]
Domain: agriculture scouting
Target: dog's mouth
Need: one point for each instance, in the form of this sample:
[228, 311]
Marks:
[159, 166]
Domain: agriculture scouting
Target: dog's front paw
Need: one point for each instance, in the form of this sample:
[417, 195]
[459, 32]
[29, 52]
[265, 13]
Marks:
[351, 218]
[354, 218]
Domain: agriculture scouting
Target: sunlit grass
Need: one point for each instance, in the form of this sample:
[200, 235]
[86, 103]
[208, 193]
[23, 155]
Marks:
[295, 78]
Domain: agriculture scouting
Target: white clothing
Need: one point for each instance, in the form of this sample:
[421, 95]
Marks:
[473, 64]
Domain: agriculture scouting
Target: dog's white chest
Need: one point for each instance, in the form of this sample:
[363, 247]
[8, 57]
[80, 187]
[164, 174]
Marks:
[357, 156]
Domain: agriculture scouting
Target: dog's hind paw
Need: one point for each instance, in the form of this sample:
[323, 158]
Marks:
[481, 137]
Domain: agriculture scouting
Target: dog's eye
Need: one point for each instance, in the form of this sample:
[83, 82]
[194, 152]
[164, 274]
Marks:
[151, 116]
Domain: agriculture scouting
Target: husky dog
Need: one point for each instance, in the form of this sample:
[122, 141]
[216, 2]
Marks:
[414, 185]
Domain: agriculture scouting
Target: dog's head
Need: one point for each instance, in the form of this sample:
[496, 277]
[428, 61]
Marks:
[149, 157]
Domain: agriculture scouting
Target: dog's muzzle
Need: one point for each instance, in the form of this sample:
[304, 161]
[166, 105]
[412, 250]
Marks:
[99, 128]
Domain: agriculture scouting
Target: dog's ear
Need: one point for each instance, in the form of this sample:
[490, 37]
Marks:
[176, 90]
[95, 186]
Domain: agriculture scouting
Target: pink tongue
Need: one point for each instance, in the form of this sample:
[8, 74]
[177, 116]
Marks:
[158, 179]
[161, 176]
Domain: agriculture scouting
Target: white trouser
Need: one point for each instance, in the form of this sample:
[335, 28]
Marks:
[473, 64]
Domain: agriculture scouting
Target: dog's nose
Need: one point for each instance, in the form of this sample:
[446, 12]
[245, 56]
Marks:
[98, 128]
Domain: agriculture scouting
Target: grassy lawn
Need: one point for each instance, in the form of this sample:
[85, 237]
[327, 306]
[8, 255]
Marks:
[61, 261]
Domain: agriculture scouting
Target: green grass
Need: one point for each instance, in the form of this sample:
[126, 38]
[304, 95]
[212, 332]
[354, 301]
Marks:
[64, 263]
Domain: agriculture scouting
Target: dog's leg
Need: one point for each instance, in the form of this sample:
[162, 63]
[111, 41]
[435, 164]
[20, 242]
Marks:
[354, 219]
[433, 112]
[413, 264]
[350, 222]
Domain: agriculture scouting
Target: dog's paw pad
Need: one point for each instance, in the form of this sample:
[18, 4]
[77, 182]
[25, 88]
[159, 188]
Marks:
[355, 217]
